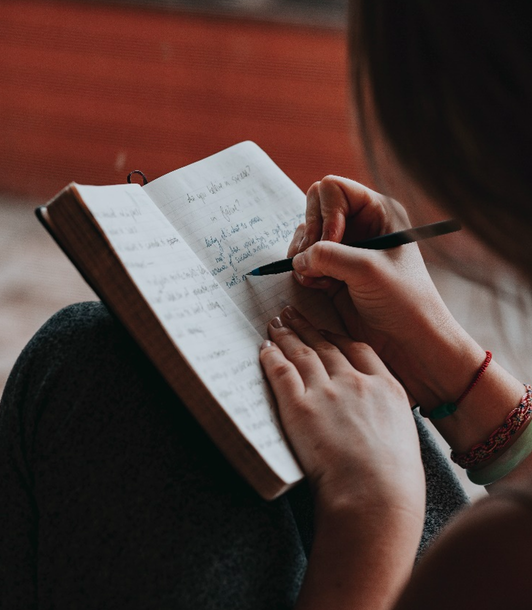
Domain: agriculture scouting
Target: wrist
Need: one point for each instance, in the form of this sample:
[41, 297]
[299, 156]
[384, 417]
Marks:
[439, 365]
[436, 361]
[395, 503]
[372, 522]
[445, 364]
[360, 558]
[376, 525]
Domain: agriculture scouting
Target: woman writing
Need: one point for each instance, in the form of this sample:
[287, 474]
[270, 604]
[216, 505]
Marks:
[112, 497]
[439, 90]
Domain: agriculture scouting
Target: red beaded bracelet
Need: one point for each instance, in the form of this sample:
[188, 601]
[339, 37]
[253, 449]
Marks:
[499, 438]
[448, 408]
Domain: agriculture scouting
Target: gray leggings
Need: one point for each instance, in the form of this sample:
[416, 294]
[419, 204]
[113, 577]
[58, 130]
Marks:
[111, 496]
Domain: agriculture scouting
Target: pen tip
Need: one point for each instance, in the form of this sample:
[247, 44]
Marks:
[254, 272]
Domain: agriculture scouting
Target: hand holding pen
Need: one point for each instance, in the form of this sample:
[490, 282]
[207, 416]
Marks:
[386, 300]
[380, 242]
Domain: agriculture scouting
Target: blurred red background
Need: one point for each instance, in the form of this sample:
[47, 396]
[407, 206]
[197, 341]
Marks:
[91, 91]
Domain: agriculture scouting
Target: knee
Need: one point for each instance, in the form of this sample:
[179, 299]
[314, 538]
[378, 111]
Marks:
[80, 326]
[79, 333]
[79, 344]
[80, 367]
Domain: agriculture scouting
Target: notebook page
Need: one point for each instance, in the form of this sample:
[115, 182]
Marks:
[237, 210]
[201, 319]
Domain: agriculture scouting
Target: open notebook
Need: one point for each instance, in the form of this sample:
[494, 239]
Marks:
[170, 258]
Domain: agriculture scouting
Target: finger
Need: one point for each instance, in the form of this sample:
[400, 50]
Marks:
[334, 207]
[342, 199]
[337, 261]
[344, 305]
[360, 355]
[378, 216]
[332, 358]
[313, 220]
[303, 357]
[334, 199]
[283, 376]
[320, 283]
[293, 248]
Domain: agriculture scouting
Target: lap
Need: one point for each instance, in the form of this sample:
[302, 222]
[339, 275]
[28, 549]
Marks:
[129, 501]
[118, 497]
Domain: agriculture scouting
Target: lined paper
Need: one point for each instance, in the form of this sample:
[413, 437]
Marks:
[197, 313]
[188, 239]
[237, 210]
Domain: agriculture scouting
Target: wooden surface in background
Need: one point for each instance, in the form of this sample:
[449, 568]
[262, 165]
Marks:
[90, 92]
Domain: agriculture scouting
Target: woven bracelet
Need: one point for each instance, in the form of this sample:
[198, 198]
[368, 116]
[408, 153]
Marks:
[500, 437]
[448, 408]
[505, 463]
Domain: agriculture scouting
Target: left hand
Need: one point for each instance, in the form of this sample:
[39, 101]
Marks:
[347, 418]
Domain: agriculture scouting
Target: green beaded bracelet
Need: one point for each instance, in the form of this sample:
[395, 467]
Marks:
[507, 462]
[441, 411]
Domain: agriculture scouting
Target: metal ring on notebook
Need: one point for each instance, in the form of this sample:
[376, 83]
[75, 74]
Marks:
[137, 171]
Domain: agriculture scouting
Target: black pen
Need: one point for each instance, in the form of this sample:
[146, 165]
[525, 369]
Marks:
[381, 242]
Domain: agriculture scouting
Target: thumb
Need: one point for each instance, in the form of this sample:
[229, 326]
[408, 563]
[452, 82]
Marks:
[330, 259]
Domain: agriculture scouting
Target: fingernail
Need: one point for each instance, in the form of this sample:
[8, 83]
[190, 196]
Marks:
[266, 344]
[299, 262]
[290, 312]
[303, 243]
[276, 322]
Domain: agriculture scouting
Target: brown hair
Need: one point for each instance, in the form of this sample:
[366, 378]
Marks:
[451, 87]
